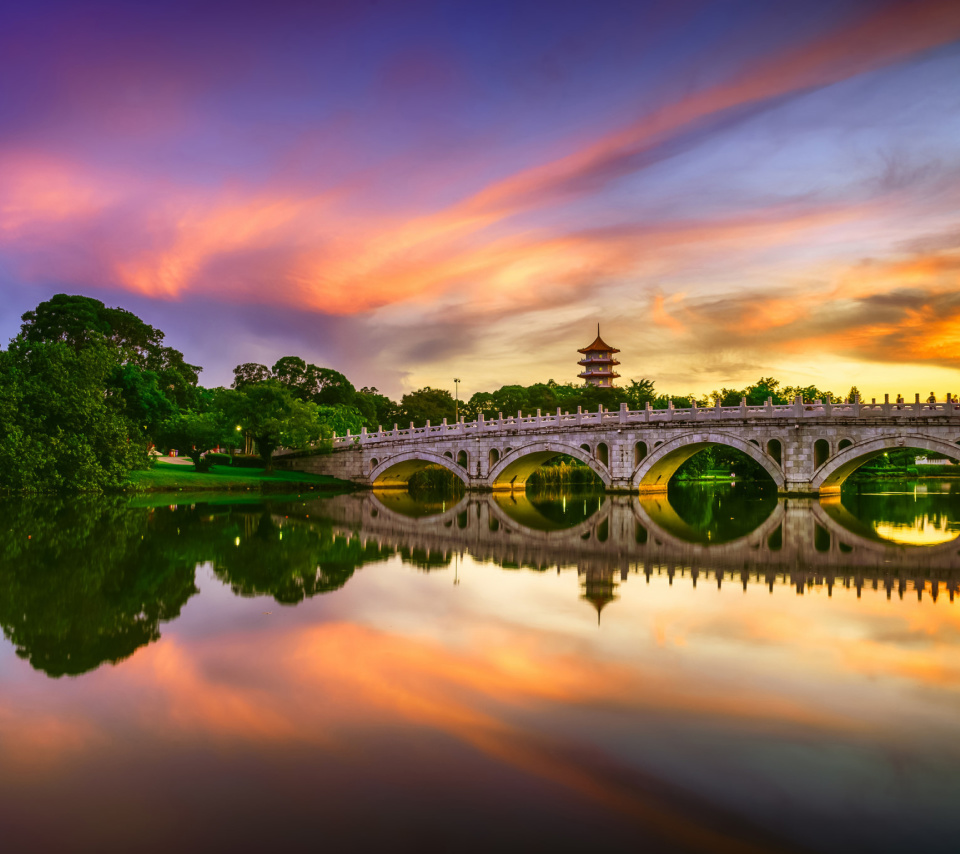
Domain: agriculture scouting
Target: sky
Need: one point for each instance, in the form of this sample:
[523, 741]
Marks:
[411, 192]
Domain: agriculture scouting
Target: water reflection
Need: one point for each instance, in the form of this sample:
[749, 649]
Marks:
[460, 716]
[906, 512]
[84, 582]
[88, 582]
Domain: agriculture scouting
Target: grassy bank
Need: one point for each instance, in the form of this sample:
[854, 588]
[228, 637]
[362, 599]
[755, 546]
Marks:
[164, 477]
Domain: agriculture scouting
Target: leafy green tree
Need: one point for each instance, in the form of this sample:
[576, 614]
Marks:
[195, 434]
[63, 427]
[250, 373]
[377, 409]
[80, 321]
[339, 419]
[638, 393]
[274, 417]
[427, 404]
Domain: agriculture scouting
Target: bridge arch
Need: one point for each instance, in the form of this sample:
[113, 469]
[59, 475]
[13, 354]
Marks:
[396, 471]
[829, 476]
[655, 470]
[516, 466]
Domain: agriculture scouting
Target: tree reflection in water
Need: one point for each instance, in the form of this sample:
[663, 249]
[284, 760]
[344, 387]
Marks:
[83, 582]
[89, 581]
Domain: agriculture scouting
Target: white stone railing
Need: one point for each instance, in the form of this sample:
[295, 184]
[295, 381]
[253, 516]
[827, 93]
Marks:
[949, 408]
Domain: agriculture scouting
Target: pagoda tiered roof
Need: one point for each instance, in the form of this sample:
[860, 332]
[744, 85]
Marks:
[599, 346]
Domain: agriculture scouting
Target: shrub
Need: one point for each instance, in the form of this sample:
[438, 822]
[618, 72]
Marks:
[248, 461]
[218, 459]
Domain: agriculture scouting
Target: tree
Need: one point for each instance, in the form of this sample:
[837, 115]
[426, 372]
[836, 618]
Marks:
[80, 321]
[427, 404]
[274, 417]
[195, 434]
[377, 409]
[639, 393]
[340, 419]
[62, 427]
[250, 373]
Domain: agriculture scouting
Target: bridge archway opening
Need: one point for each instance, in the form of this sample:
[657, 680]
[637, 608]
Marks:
[710, 517]
[724, 457]
[844, 443]
[884, 455]
[603, 453]
[549, 464]
[493, 458]
[448, 454]
[462, 459]
[419, 472]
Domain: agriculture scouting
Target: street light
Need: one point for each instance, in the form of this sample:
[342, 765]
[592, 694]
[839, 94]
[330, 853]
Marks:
[456, 396]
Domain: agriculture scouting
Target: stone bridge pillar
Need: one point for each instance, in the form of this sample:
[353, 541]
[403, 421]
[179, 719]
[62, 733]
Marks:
[798, 459]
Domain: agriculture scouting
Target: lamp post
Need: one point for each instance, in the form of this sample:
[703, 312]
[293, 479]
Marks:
[456, 398]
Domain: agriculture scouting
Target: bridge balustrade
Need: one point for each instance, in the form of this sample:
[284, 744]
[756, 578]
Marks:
[798, 409]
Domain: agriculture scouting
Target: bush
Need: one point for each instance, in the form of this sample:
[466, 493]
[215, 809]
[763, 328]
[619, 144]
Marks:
[218, 459]
[248, 461]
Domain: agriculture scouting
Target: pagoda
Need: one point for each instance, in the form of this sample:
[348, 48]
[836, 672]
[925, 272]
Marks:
[598, 363]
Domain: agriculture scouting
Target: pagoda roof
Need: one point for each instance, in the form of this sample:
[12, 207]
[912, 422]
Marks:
[599, 344]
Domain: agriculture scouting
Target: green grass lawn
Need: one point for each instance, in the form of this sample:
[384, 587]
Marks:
[164, 476]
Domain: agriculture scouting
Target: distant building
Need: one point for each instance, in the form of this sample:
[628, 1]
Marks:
[924, 461]
[598, 363]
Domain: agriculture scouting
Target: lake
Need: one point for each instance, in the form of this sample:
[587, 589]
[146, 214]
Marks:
[712, 670]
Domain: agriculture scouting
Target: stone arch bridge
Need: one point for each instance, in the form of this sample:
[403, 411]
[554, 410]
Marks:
[806, 448]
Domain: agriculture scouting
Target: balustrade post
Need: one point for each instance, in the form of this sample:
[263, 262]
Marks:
[917, 406]
[623, 413]
[743, 407]
[886, 404]
[798, 406]
[828, 405]
[412, 428]
[396, 430]
[444, 422]
[646, 411]
[579, 415]
[768, 407]
[480, 420]
[426, 426]
[538, 418]
[693, 410]
[669, 410]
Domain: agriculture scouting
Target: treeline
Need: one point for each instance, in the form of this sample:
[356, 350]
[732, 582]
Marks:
[86, 392]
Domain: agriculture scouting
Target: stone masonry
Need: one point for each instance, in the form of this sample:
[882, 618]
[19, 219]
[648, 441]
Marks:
[807, 448]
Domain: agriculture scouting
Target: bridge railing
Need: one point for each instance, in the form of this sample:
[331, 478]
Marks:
[899, 409]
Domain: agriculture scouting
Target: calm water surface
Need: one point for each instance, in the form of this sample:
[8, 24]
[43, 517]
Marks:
[714, 670]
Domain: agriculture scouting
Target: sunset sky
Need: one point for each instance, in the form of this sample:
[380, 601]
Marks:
[409, 192]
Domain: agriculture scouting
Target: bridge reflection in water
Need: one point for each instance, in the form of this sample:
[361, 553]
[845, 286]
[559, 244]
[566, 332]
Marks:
[800, 542]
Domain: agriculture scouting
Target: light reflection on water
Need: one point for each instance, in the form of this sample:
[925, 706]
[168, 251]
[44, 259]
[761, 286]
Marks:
[270, 673]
